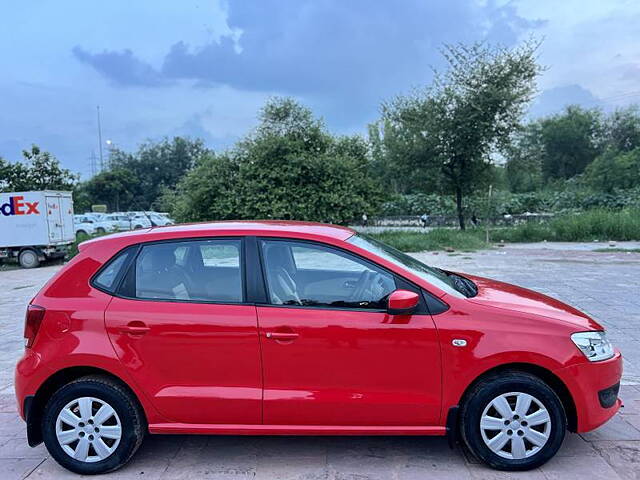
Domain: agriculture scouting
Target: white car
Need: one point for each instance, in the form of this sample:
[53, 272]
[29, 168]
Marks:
[160, 220]
[100, 226]
[124, 222]
[83, 228]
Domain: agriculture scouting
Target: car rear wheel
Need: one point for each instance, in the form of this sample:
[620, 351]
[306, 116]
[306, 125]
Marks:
[92, 425]
[514, 421]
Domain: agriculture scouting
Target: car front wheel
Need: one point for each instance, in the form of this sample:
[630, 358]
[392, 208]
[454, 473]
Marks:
[514, 421]
[92, 425]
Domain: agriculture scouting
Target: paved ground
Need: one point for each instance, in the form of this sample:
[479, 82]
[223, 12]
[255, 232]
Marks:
[606, 285]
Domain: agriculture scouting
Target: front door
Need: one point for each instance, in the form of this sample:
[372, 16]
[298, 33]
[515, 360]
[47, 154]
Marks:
[186, 335]
[331, 353]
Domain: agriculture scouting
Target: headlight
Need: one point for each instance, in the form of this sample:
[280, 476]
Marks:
[594, 345]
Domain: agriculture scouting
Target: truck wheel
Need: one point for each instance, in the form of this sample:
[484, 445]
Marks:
[513, 421]
[28, 258]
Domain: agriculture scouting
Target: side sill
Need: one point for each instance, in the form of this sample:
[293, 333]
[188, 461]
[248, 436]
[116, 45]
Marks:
[200, 429]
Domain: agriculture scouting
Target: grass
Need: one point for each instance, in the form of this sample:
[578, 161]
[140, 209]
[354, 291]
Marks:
[602, 225]
[438, 239]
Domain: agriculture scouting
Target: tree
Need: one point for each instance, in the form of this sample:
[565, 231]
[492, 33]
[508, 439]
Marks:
[622, 129]
[614, 170]
[157, 166]
[117, 188]
[39, 171]
[524, 160]
[290, 167]
[449, 130]
[570, 140]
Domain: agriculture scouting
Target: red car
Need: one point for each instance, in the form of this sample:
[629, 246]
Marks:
[288, 328]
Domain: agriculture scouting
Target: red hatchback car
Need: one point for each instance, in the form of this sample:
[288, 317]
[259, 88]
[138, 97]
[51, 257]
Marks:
[270, 328]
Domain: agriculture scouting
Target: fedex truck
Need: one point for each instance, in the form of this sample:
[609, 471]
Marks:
[35, 226]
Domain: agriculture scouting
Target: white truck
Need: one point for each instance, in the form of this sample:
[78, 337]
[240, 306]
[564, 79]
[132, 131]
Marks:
[35, 226]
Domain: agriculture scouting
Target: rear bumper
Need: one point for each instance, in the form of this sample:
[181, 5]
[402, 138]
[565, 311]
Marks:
[594, 388]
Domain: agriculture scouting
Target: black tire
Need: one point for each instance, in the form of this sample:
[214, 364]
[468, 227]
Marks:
[484, 392]
[28, 258]
[131, 416]
[100, 230]
[80, 233]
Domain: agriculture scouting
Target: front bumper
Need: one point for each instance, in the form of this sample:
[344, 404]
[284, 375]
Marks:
[592, 386]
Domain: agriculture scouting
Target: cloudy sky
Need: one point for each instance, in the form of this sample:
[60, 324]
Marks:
[204, 67]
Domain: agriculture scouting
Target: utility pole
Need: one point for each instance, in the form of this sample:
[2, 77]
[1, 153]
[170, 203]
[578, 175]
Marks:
[100, 140]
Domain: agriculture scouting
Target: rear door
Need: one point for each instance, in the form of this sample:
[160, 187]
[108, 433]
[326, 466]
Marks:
[66, 216]
[54, 218]
[182, 328]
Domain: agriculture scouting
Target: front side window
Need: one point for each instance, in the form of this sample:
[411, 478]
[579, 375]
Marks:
[439, 278]
[306, 274]
[207, 271]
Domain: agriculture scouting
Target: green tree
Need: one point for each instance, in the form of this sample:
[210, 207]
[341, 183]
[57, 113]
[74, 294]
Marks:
[290, 167]
[614, 170]
[117, 188]
[40, 170]
[524, 154]
[622, 129]
[157, 166]
[570, 140]
[450, 130]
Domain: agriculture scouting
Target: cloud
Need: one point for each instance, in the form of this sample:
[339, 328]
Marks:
[345, 57]
[555, 99]
[121, 68]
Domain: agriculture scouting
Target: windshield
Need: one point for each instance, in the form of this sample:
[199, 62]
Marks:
[435, 276]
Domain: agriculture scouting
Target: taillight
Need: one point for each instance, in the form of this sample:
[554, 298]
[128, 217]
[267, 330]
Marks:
[32, 322]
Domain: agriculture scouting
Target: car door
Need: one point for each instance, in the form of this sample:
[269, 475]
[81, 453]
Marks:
[182, 328]
[331, 353]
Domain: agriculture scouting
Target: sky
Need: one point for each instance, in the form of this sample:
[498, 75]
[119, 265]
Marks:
[203, 68]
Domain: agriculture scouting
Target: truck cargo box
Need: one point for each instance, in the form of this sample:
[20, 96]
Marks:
[36, 219]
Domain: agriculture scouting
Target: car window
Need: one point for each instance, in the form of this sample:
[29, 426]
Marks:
[107, 277]
[203, 270]
[307, 274]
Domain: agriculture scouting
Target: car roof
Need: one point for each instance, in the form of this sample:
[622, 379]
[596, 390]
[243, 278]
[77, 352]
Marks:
[289, 228]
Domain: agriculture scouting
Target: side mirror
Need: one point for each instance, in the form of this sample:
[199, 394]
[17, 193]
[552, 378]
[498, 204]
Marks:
[402, 302]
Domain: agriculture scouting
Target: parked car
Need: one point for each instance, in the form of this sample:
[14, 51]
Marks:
[85, 228]
[124, 222]
[159, 220]
[98, 226]
[35, 226]
[294, 328]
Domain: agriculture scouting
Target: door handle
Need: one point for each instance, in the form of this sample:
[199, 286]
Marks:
[137, 328]
[281, 335]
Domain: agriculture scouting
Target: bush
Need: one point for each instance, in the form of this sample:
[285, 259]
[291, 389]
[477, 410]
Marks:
[572, 198]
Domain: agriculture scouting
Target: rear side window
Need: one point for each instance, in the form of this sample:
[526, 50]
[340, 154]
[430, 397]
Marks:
[196, 270]
[107, 278]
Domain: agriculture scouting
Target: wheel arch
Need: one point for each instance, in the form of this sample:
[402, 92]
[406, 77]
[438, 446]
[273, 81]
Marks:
[34, 404]
[547, 376]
